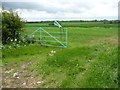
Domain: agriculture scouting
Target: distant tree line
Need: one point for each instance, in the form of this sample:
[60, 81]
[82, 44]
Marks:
[105, 21]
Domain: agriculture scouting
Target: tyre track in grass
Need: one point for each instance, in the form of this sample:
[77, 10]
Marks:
[21, 77]
[109, 41]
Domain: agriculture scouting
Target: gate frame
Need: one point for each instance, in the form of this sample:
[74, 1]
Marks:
[51, 36]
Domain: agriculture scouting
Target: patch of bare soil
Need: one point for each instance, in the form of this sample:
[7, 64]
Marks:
[108, 40]
[21, 77]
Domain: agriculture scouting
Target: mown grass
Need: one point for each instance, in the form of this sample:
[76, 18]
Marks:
[90, 61]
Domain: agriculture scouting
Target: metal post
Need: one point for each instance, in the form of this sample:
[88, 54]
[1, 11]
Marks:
[40, 36]
[61, 33]
[66, 38]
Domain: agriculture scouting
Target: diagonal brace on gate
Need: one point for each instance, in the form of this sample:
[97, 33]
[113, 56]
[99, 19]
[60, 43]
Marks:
[51, 36]
[55, 38]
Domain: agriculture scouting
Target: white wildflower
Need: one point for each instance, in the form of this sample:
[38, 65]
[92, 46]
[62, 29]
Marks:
[11, 40]
[9, 71]
[31, 77]
[38, 82]
[15, 39]
[77, 64]
[52, 51]
[16, 75]
[24, 83]
[50, 54]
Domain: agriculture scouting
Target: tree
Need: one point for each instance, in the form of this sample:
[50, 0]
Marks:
[51, 23]
[105, 21]
[11, 26]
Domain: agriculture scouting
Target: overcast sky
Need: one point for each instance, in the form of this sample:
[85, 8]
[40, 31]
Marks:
[64, 9]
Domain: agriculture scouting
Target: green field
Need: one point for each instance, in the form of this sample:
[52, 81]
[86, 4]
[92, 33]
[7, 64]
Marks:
[73, 24]
[90, 61]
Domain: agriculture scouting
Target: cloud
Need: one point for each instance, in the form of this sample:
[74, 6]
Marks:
[65, 9]
[48, 7]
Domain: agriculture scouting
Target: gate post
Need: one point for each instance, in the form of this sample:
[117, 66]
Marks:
[40, 36]
[66, 38]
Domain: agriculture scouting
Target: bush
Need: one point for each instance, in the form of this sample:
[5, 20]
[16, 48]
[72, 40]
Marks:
[11, 26]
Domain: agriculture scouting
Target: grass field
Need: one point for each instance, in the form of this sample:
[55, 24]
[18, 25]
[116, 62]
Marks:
[73, 24]
[90, 61]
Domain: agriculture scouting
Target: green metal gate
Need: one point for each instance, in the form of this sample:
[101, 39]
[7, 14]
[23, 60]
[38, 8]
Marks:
[53, 37]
